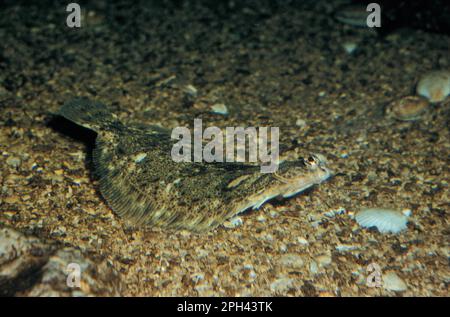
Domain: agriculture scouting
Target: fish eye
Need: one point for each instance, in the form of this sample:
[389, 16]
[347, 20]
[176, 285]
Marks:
[310, 161]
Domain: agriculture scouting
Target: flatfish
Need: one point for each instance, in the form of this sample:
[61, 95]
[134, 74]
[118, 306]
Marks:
[142, 183]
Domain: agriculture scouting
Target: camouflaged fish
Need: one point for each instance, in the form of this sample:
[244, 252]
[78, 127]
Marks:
[140, 181]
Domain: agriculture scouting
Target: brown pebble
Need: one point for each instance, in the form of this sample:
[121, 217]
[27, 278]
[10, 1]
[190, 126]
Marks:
[407, 108]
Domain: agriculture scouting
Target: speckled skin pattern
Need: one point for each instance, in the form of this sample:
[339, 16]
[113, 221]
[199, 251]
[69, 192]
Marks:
[140, 180]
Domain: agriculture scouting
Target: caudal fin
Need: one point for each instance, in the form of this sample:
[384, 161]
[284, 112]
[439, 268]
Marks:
[87, 113]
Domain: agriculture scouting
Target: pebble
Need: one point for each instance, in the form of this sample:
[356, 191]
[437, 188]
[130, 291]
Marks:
[324, 260]
[300, 123]
[233, 223]
[13, 161]
[313, 267]
[191, 90]
[346, 247]
[59, 231]
[434, 85]
[261, 218]
[197, 277]
[302, 241]
[350, 47]
[392, 282]
[281, 285]
[291, 260]
[334, 212]
[407, 108]
[219, 108]
[252, 275]
[42, 267]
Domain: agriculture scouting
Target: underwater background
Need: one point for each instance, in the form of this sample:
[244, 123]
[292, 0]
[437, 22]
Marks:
[332, 85]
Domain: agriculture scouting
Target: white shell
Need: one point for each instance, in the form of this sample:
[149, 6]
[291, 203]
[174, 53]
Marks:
[434, 85]
[385, 220]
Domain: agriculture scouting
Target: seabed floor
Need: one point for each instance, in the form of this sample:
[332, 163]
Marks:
[287, 69]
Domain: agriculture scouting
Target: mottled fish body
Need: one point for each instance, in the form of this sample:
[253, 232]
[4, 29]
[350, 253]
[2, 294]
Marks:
[141, 182]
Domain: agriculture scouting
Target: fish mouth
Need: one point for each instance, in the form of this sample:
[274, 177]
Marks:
[322, 175]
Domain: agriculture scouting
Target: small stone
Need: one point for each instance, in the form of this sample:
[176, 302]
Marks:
[408, 108]
[13, 161]
[219, 108]
[300, 123]
[392, 282]
[138, 158]
[261, 218]
[332, 213]
[190, 90]
[233, 223]
[197, 277]
[346, 247]
[350, 47]
[323, 260]
[313, 267]
[59, 231]
[281, 285]
[291, 260]
[41, 268]
[273, 213]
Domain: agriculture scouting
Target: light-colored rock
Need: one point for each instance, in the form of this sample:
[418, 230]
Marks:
[281, 285]
[233, 222]
[324, 260]
[408, 108]
[33, 267]
[13, 161]
[219, 108]
[291, 260]
[392, 282]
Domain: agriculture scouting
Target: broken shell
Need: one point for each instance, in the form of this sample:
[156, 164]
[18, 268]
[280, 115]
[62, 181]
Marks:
[385, 220]
[407, 108]
[434, 85]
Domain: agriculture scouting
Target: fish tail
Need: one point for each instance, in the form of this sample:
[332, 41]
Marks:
[88, 113]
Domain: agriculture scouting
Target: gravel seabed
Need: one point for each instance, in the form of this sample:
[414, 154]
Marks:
[271, 65]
